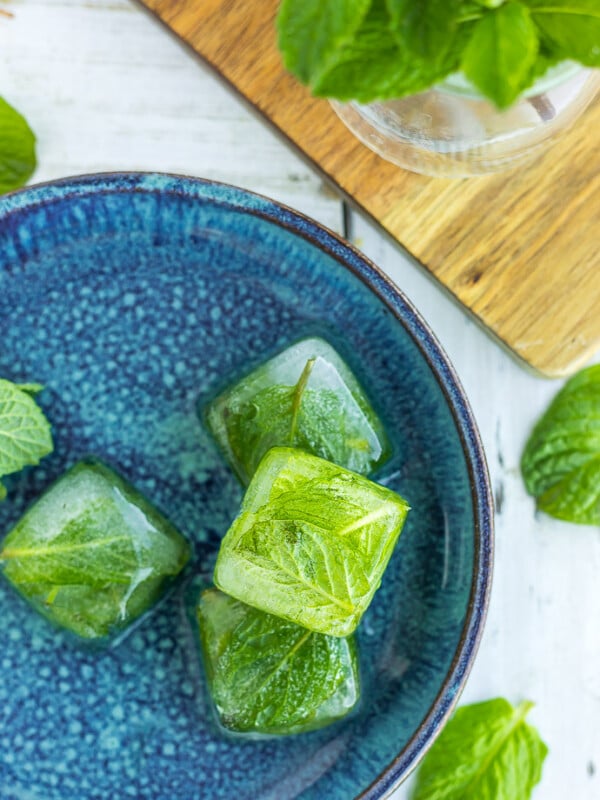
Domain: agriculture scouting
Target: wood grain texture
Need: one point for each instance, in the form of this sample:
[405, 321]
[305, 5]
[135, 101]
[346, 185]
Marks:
[519, 250]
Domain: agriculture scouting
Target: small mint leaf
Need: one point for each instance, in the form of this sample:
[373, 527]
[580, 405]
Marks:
[25, 436]
[485, 752]
[561, 460]
[17, 149]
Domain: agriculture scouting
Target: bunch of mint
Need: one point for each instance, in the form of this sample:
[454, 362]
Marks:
[368, 50]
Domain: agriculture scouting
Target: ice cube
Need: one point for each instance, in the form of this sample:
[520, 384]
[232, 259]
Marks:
[305, 397]
[92, 554]
[311, 542]
[269, 676]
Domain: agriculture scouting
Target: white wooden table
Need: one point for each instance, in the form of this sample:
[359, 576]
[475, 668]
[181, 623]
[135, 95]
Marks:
[106, 88]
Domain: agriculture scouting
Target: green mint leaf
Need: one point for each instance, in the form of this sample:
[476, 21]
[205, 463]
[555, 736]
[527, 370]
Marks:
[92, 554]
[427, 27]
[561, 460]
[389, 49]
[356, 443]
[92, 612]
[361, 517]
[370, 66]
[499, 57]
[378, 65]
[570, 29]
[303, 559]
[542, 64]
[474, 9]
[312, 31]
[311, 543]
[256, 425]
[487, 751]
[267, 675]
[17, 149]
[95, 548]
[25, 436]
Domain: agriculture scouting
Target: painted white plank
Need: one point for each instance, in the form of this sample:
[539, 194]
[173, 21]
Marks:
[106, 87]
[542, 638]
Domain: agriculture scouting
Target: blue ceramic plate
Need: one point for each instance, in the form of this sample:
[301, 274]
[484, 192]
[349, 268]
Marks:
[130, 297]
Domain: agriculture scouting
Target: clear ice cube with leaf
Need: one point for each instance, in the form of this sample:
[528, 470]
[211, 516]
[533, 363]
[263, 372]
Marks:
[269, 676]
[305, 397]
[92, 554]
[311, 542]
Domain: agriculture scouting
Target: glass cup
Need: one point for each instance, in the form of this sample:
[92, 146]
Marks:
[452, 131]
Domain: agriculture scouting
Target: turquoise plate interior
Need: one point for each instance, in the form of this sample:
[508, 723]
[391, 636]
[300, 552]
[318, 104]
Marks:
[132, 297]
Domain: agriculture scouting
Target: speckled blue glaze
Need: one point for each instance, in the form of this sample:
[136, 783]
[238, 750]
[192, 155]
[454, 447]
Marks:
[129, 297]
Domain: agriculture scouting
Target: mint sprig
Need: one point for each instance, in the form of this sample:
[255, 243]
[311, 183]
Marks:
[487, 751]
[25, 436]
[561, 461]
[17, 149]
[385, 49]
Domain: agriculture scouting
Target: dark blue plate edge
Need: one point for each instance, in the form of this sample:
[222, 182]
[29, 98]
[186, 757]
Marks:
[365, 270]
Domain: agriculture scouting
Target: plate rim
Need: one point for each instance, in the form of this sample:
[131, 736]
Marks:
[403, 310]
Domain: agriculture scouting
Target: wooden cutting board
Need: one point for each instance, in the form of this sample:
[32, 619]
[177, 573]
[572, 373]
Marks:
[521, 251]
